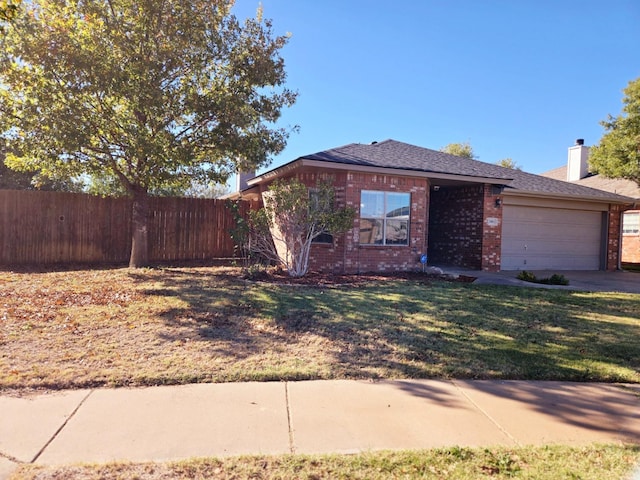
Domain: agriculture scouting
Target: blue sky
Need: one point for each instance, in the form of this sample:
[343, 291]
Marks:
[514, 78]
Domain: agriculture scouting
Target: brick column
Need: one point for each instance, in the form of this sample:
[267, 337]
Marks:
[491, 229]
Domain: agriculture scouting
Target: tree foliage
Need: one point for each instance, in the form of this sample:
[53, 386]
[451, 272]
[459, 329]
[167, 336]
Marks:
[460, 149]
[8, 11]
[618, 153]
[292, 217]
[509, 163]
[14, 180]
[152, 95]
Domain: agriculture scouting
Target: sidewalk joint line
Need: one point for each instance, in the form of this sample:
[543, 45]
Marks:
[64, 424]
[292, 448]
[491, 419]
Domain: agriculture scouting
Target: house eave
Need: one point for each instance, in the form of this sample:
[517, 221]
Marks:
[303, 162]
[567, 196]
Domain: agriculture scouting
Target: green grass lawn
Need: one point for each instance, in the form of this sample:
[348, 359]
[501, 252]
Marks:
[597, 462]
[180, 325]
[183, 325]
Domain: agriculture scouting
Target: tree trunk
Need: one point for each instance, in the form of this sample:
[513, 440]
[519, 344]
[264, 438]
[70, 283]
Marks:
[140, 221]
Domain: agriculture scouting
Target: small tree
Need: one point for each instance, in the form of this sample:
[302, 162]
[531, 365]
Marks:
[460, 149]
[618, 153]
[509, 163]
[292, 217]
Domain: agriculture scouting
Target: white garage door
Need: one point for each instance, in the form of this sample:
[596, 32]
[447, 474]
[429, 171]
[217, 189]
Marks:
[540, 238]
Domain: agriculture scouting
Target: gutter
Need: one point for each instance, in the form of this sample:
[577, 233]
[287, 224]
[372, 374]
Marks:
[616, 199]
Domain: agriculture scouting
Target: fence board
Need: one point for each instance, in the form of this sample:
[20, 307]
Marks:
[39, 228]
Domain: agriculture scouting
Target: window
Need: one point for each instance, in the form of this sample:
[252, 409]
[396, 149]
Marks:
[314, 204]
[631, 223]
[384, 218]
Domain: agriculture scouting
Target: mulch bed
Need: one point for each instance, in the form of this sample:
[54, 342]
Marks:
[318, 279]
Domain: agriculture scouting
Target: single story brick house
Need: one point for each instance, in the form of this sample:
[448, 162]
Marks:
[412, 201]
[577, 171]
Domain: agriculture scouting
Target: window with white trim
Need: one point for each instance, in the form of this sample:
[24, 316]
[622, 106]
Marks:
[631, 223]
[384, 218]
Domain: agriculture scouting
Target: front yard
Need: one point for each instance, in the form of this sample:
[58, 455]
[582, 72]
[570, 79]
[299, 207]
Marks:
[119, 327]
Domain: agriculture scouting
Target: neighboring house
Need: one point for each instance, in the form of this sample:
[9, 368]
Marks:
[577, 172]
[411, 200]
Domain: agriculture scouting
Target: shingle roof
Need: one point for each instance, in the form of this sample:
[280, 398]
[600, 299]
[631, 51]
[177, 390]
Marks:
[398, 155]
[613, 185]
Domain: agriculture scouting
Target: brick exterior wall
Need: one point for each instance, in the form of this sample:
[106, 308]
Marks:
[613, 242]
[456, 226]
[491, 229]
[346, 255]
[631, 247]
[465, 227]
[389, 258]
[461, 225]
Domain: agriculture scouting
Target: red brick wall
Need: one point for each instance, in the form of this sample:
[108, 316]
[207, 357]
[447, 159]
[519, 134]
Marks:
[455, 226]
[375, 258]
[492, 229]
[327, 257]
[613, 242]
[631, 248]
[465, 227]
[346, 255]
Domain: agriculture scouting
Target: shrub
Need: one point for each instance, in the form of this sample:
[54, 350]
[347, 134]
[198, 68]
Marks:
[555, 279]
[527, 276]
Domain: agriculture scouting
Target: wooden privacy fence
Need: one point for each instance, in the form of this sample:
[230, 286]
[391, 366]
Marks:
[52, 227]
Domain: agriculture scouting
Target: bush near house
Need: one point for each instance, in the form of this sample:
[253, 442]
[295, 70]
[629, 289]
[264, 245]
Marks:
[292, 217]
[555, 279]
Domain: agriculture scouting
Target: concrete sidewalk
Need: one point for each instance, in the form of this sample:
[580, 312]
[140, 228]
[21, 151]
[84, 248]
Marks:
[341, 416]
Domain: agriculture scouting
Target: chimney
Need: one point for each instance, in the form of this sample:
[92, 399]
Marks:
[242, 178]
[578, 163]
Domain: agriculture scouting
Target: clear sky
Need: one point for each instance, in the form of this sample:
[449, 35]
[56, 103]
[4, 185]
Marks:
[515, 78]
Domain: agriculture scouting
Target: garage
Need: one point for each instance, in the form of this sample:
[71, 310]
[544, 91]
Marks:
[550, 238]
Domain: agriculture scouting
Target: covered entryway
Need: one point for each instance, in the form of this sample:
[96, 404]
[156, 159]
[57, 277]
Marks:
[551, 238]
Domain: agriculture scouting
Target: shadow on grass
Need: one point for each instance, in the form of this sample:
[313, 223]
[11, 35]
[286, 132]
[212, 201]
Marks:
[402, 329]
[409, 330]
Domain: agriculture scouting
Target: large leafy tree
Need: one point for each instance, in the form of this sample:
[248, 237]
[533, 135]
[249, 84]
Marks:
[155, 94]
[618, 153]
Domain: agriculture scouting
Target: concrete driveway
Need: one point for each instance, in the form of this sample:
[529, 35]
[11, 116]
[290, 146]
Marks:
[594, 281]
